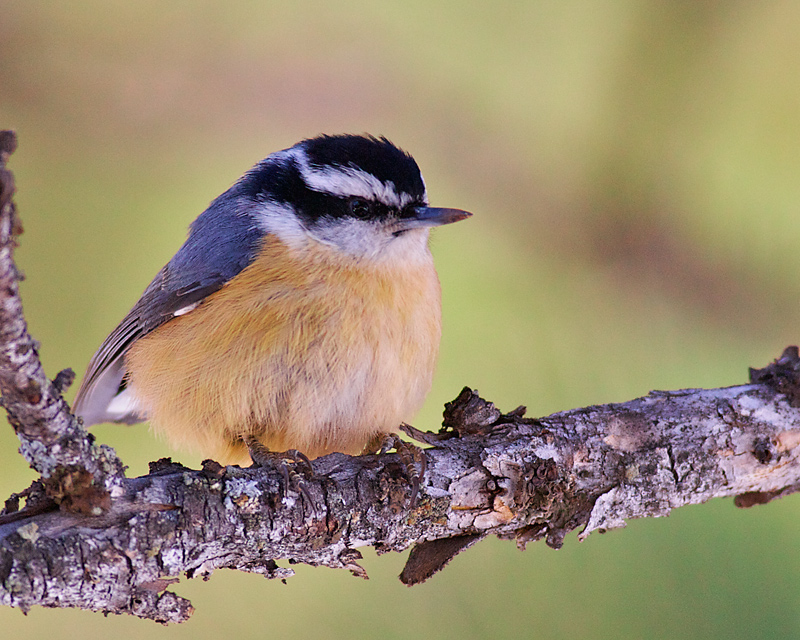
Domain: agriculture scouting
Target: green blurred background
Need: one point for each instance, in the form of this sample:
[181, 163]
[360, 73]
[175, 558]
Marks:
[633, 169]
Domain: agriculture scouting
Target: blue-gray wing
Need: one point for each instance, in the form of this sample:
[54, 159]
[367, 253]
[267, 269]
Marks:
[222, 241]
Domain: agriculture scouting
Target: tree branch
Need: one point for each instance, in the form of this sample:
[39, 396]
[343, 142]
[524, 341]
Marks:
[118, 550]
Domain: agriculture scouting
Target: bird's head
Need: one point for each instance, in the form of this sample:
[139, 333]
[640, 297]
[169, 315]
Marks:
[359, 195]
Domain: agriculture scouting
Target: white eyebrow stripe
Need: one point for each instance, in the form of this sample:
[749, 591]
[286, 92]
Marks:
[350, 181]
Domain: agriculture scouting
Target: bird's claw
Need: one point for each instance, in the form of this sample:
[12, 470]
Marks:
[410, 455]
[293, 464]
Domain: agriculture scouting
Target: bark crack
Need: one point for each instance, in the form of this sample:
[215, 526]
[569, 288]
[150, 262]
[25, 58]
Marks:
[671, 456]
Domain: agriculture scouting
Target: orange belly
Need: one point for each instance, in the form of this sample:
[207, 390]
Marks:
[319, 356]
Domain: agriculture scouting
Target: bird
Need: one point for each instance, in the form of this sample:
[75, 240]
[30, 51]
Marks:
[303, 311]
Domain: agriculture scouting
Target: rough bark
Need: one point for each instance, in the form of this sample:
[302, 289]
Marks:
[90, 538]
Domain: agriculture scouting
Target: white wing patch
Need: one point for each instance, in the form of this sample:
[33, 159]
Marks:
[122, 405]
[184, 310]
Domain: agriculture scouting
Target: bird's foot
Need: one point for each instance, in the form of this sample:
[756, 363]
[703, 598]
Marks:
[410, 455]
[293, 464]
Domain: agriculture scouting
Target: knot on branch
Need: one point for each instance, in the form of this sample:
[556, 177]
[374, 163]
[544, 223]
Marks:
[64, 380]
[75, 490]
[8, 144]
[783, 375]
[469, 414]
[164, 608]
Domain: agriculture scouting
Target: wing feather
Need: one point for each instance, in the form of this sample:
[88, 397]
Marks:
[105, 376]
[222, 241]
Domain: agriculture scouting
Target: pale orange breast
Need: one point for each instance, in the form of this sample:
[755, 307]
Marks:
[317, 354]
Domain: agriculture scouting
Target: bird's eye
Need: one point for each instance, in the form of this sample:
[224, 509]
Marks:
[359, 207]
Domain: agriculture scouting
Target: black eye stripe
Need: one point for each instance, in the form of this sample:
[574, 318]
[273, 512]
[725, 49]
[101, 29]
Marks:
[281, 180]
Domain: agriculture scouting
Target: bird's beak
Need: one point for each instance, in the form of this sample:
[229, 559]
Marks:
[430, 217]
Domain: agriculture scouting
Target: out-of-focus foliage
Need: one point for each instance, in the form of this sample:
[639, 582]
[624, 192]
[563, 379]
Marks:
[632, 167]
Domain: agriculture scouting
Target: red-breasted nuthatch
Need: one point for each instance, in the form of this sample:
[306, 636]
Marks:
[302, 312]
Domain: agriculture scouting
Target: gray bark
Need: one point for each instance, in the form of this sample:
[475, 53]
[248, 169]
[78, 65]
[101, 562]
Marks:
[90, 538]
